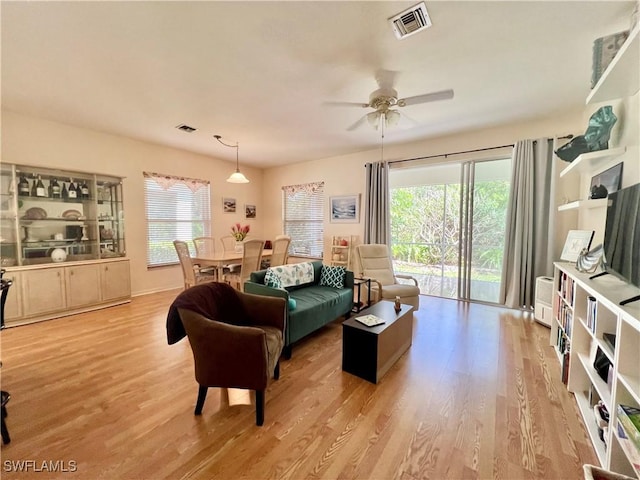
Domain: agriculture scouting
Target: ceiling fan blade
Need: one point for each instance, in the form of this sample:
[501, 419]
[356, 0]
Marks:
[427, 97]
[360, 121]
[347, 104]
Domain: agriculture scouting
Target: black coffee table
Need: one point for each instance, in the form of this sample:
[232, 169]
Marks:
[369, 352]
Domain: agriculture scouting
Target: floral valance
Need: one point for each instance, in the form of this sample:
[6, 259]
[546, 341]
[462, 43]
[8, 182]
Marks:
[168, 181]
[304, 187]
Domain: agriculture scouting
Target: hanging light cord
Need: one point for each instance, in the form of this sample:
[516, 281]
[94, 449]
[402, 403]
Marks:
[236, 146]
[382, 122]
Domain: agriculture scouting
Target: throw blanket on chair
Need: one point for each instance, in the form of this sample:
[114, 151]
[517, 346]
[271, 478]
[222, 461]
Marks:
[214, 300]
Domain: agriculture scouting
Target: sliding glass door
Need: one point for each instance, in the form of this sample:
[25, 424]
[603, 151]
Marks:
[448, 224]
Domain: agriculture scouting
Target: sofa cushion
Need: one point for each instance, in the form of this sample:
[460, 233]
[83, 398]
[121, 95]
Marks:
[332, 276]
[293, 274]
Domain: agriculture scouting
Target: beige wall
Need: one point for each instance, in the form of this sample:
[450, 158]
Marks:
[345, 174]
[33, 141]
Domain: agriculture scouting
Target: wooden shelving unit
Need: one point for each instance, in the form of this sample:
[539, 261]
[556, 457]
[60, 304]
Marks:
[342, 249]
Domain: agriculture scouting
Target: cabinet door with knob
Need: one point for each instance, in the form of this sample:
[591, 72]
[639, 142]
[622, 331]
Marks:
[115, 280]
[43, 291]
[82, 285]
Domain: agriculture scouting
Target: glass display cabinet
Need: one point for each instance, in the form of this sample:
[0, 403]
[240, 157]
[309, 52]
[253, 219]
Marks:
[52, 216]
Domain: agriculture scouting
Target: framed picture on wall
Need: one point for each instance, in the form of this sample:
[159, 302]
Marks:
[229, 205]
[249, 211]
[610, 179]
[345, 209]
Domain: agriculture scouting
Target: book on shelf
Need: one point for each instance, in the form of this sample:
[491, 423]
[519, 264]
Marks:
[592, 313]
[610, 340]
[629, 417]
[630, 449]
[565, 366]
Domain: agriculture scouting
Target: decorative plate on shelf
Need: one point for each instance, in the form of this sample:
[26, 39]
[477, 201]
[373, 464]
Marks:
[35, 213]
[71, 215]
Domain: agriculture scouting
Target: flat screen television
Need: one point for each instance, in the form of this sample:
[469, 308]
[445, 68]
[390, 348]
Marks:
[622, 235]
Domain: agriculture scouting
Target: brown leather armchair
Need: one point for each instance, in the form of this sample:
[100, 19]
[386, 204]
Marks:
[236, 338]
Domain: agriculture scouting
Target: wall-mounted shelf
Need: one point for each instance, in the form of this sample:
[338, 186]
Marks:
[620, 79]
[583, 204]
[590, 162]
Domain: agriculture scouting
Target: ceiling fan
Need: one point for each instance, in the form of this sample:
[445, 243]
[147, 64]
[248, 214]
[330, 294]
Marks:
[385, 99]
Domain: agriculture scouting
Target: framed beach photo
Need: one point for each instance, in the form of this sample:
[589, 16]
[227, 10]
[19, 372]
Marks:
[345, 209]
[249, 211]
[575, 242]
[229, 205]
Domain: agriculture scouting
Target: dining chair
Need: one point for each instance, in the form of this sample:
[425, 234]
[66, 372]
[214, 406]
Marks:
[192, 273]
[280, 253]
[206, 247]
[228, 243]
[251, 258]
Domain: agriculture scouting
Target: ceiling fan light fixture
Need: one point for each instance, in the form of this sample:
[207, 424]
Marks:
[392, 117]
[374, 119]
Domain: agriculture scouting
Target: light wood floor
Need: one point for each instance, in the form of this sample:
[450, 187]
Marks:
[478, 395]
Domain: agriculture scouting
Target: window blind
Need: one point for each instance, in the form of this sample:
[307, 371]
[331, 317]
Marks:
[176, 209]
[304, 219]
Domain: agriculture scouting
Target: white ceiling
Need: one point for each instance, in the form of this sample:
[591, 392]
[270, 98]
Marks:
[260, 73]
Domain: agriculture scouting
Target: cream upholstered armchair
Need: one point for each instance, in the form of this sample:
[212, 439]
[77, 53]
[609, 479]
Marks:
[375, 262]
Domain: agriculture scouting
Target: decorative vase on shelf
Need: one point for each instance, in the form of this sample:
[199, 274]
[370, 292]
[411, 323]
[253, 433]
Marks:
[58, 255]
[239, 248]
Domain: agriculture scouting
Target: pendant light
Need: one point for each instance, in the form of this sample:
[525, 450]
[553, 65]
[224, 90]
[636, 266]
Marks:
[237, 176]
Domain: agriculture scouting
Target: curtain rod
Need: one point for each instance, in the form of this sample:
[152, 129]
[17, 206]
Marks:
[445, 155]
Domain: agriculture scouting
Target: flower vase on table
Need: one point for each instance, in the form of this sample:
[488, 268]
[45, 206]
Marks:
[239, 233]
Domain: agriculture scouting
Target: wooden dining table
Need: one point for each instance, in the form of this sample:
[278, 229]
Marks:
[220, 259]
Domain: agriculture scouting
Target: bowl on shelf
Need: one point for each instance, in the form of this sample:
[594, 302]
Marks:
[71, 215]
[35, 213]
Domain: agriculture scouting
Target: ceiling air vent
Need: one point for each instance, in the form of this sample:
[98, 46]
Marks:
[410, 21]
[186, 128]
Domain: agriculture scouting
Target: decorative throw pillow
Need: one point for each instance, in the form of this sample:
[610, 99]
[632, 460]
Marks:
[271, 279]
[332, 276]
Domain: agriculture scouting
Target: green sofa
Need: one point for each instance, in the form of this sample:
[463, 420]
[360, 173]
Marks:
[315, 305]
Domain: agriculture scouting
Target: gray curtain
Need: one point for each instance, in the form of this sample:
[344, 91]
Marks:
[530, 222]
[376, 219]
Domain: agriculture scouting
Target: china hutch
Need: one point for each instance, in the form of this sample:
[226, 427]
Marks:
[61, 242]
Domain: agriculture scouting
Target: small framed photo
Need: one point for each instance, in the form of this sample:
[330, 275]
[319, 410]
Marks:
[610, 179]
[575, 242]
[249, 211]
[229, 205]
[345, 209]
